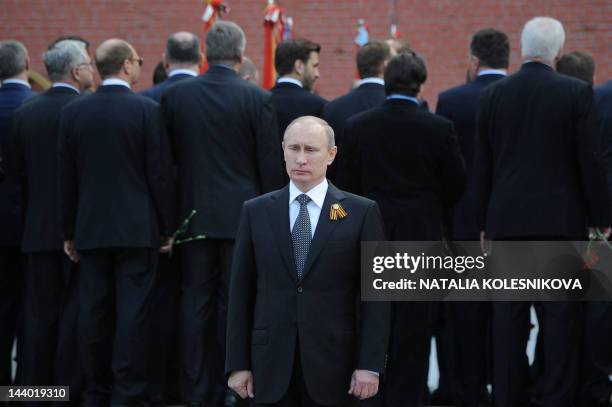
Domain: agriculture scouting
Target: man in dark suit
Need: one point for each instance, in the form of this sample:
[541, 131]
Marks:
[15, 89]
[223, 133]
[112, 164]
[370, 92]
[407, 160]
[596, 387]
[539, 175]
[488, 63]
[297, 65]
[294, 337]
[182, 60]
[50, 279]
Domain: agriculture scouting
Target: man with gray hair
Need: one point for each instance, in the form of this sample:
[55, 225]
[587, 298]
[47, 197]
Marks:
[539, 176]
[15, 89]
[224, 136]
[182, 60]
[49, 275]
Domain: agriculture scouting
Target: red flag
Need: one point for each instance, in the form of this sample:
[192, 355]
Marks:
[273, 31]
[213, 10]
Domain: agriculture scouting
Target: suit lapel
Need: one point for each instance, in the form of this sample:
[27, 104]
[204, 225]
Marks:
[278, 214]
[324, 227]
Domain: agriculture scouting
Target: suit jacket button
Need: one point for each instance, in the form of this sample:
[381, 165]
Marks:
[300, 290]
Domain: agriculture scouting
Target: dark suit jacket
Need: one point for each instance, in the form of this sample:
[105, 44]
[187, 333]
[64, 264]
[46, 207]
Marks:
[539, 170]
[460, 105]
[157, 91]
[223, 133]
[33, 150]
[603, 102]
[291, 101]
[337, 112]
[12, 95]
[270, 311]
[408, 160]
[113, 179]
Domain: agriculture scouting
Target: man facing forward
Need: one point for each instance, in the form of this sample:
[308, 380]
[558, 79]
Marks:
[293, 336]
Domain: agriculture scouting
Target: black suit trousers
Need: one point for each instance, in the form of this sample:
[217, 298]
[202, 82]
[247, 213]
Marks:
[164, 365]
[11, 278]
[114, 323]
[408, 354]
[205, 268]
[47, 279]
[470, 326]
[297, 393]
[561, 338]
[597, 356]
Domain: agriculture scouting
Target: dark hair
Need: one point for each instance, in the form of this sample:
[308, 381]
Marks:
[492, 48]
[70, 37]
[111, 62]
[13, 57]
[289, 51]
[405, 74]
[371, 58]
[578, 64]
[159, 73]
[183, 48]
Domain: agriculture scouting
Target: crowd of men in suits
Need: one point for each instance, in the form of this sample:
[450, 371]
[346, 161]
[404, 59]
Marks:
[162, 246]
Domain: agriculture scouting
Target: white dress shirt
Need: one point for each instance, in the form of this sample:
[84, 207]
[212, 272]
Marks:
[287, 79]
[182, 72]
[317, 196]
[19, 81]
[493, 72]
[115, 81]
[372, 79]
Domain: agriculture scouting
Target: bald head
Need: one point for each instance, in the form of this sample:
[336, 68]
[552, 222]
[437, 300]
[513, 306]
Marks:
[248, 71]
[111, 55]
[183, 48]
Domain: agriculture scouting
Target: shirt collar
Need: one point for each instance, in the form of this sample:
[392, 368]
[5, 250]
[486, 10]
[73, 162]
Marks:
[503, 72]
[181, 72]
[286, 79]
[372, 79]
[317, 194]
[65, 85]
[115, 81]
[403, 97]
[17, 81]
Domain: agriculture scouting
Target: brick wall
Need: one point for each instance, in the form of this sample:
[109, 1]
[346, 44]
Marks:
[440, 30]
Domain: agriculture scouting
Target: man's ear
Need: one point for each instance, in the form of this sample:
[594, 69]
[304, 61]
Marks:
[298, 67]
[332, 154]
[165, 61]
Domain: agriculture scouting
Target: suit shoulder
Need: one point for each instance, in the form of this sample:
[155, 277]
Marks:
[453, 93]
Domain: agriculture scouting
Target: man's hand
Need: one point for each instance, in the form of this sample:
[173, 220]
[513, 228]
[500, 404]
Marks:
[364, 384]
[71, 251]
[167, 245]
[241, 381]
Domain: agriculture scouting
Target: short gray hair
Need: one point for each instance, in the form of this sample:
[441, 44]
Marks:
[329, 132]
[225, 43]
[13, 58]
[542, 38]
[62, 57]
